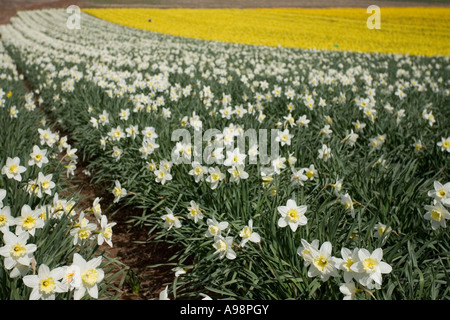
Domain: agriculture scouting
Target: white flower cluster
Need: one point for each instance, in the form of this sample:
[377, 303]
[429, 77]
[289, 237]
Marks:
[18, 232]
[43, 183]
[361, 265]
[436, 213]
[18, 251]
[223, 243]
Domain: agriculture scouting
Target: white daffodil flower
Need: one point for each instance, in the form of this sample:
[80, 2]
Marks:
[28, 221]
[292, 215]
[170, 220]
[370, 267]
[91, 276]
[194, 212]
[437, 214]
[323, 264]
[247, 234]
[45, 284]
[18, 254]
[13, 169]
[224, 247]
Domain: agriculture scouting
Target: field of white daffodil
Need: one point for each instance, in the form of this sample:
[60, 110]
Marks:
[353, 204]
[40, 228]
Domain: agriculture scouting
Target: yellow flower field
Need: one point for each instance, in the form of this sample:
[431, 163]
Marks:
[417, 31]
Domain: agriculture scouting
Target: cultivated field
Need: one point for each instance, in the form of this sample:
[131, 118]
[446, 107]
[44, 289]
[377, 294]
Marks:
[262, 171]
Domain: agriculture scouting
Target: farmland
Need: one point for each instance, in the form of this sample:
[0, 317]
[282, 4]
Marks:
[405, 30]
[325, 176]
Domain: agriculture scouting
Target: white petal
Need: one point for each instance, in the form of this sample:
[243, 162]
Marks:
[315, 243]
[303, 221]
[9, 237]
[94, 263]
[26, 260]
[377, 254]
[93, 292]
[9, 263]
[231, 254]
[23, 237]
[31, 281]
[79, 293]
[357, 267]
[384, 267]
[302, 209]
[336, 261]
[363, 254]
[313, 272]
[304, 243]
[346, 253]
[5, 251]
[79, 261]
[282, 210]
[376, 276]
[438, 185]
[57, 273]
[347, 288]
[35, 295]
[291, 204]
[101, 275]
[31, 248]
[348, 276]
[223, 225]
[43, 271]
[326, 248]
[293, 226]
[255, 237]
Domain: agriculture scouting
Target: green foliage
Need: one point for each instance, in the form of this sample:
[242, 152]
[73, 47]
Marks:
[19, 135]
[388, 185]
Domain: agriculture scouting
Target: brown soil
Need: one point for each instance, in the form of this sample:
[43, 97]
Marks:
[9, 8]
[132, 246]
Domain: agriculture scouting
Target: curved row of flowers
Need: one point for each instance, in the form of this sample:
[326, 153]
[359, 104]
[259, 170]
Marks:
[362, 139]
[46, 247]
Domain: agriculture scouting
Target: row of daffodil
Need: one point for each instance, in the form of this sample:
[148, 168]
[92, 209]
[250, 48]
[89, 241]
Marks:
[367, 125]
[38, 227]
[359, 265]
